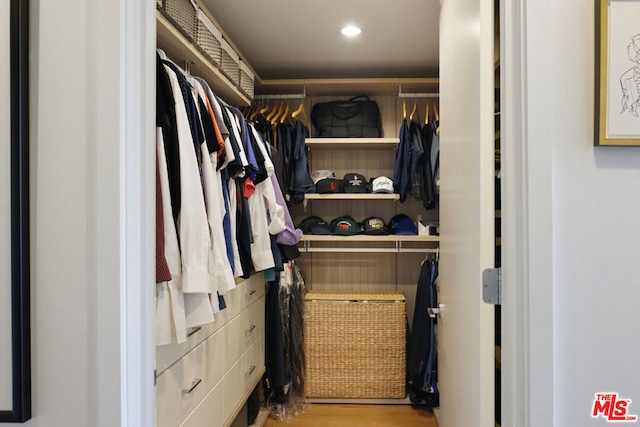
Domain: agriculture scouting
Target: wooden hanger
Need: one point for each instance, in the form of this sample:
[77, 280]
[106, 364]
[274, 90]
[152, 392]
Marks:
[302, 111]
[274, 119]
[255, 111]
[265, 108]
[426, 116]
[273, 112]
[404, 109]
[285, 114]
[415, 108]
[435, 112]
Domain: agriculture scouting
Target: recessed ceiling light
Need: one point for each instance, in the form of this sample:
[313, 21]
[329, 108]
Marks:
[351, 30]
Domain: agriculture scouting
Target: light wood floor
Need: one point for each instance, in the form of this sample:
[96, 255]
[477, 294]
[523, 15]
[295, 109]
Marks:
[324, 415]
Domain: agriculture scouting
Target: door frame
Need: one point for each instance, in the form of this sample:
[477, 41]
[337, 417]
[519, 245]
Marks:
[527, 273]
[527, 381]
[137, 233]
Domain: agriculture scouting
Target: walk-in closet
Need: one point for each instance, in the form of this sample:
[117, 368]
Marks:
[329, 204]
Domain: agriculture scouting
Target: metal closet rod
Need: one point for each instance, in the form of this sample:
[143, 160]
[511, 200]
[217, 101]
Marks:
[419, 95]
[282, 96]
[370, 250]
[402, 94]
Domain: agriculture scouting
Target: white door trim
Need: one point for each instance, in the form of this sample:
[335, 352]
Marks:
[527, 270]
[137, 211]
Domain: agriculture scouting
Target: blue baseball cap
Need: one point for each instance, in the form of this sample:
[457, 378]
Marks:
[401, 224]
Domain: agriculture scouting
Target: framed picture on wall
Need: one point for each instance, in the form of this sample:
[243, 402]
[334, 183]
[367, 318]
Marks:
[617, 97]
[617, 72]
[15, 336]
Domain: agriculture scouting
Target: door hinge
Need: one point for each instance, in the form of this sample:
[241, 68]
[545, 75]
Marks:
[492, 286]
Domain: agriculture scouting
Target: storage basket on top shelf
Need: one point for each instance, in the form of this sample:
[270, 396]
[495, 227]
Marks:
[230, 62]
[209, 39]
[246, 79]
[355, 345]
[183, 15]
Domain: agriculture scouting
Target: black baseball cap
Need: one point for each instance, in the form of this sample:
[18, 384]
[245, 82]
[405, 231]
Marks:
[289, 252]
[345, 226]
[329, 185]
[354, 183]
[314, 225]
[373, 225]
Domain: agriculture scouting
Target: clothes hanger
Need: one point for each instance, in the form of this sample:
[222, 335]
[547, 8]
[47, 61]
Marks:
[435, 113]
[285, 114]
[255, 111]
[426, 116]
[273, 112]
[415, 108]
[404, 109]
[274, 118]
[265, 108]
[302, 111]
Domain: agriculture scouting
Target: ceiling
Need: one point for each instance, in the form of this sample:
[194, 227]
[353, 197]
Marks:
[301, 39]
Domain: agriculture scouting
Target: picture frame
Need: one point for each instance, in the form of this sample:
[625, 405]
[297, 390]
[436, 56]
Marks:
[15, 312]
[617, 91]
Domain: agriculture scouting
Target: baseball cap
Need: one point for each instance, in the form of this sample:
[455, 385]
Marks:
[329, 185]
[382, 184]
[345, 225]
[373, 225]
[354, 183]
[402, 224]
[290, 252]
[319, 174]
[314, 225]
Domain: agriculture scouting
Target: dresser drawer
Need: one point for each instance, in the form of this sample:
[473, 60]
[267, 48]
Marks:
[210, 412]
[246, 293]
[181, 387]
[242, 375]
[255, 289]
[242, 331]
[167, 355]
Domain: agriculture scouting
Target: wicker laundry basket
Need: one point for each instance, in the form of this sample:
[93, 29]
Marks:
[355, 345]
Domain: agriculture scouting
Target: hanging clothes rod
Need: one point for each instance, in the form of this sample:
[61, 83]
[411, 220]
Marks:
[370, 250]
[282, 96]
[402, 94]
[419, 95]
[397, 249]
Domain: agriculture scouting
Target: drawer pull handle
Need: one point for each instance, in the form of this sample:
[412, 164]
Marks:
[251, 292]
[194, 384]
[251, 328]
[250, 370]
[193, 331]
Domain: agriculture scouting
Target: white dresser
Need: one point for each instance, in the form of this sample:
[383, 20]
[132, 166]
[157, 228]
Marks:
[206, 380]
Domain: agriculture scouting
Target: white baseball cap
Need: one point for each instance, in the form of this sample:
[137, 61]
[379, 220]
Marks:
[317, 175]
[382, 184]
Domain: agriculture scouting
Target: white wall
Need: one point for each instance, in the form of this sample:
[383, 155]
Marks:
[75, 213]
[595, 226]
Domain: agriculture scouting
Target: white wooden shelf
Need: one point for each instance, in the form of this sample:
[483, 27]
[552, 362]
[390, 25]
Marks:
[348, 86]
[397, 241]
[352, 143]
[368, 238]
[179, 49]
[352, 196]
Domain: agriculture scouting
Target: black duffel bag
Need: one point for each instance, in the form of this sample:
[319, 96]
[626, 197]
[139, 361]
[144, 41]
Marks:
[354, 118]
